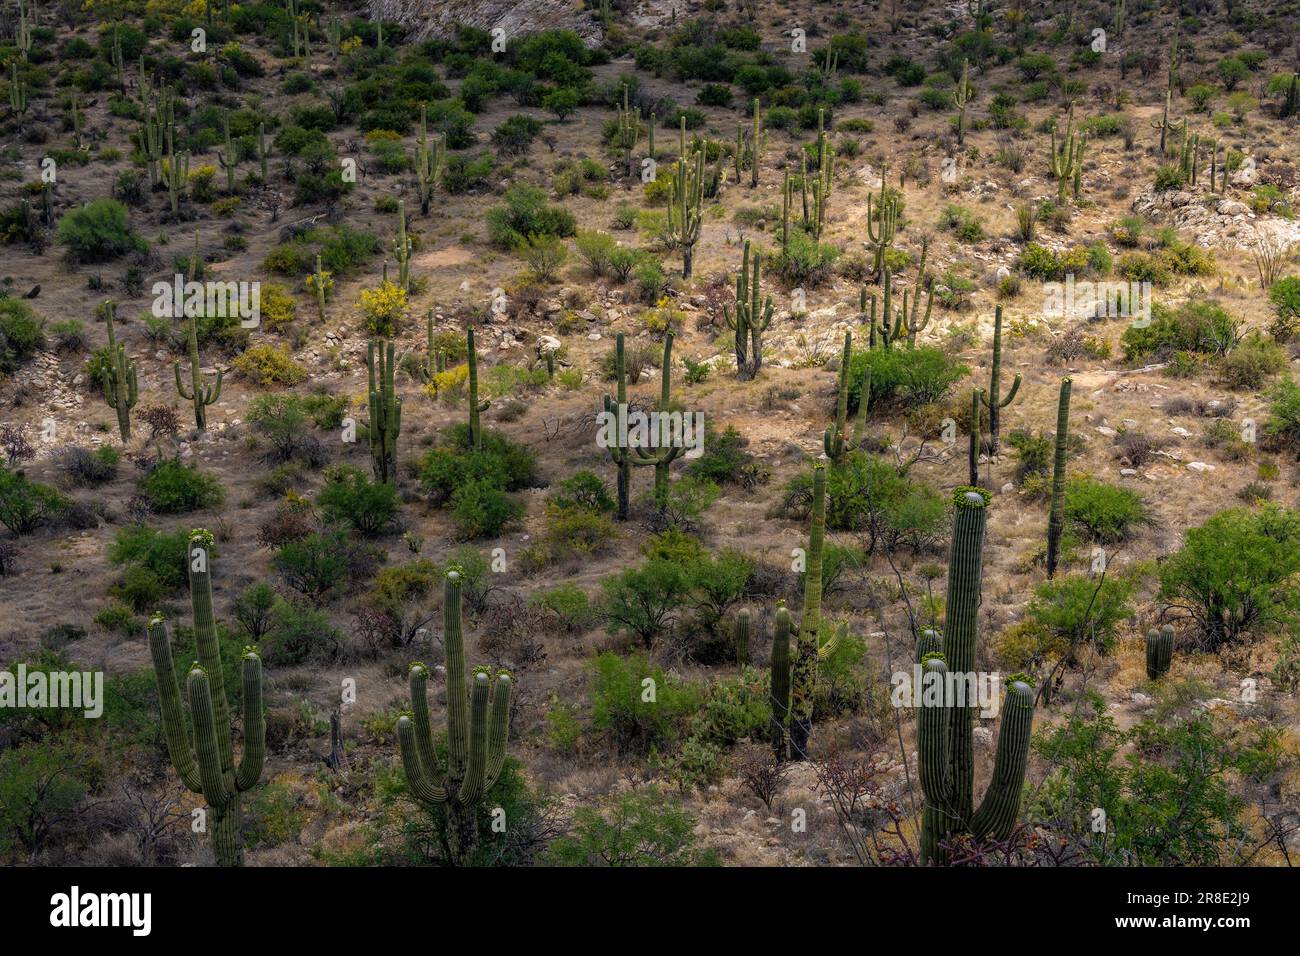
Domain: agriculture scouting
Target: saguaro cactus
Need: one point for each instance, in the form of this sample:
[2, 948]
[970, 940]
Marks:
[478, 721]
[476, 407]
[617, 451]
[756, 148]
[1160, 651]
[628, 131]
[1066, 159]
[201, 394]
[779, 692]
[1056, 516]
[686, 205]
[385, 409]
[753, 317]
[666, 452]
[810, 648]
[976, 400]
[991, 399]
[882, 223]
[835, 442]
[945, 729]
[429, 164]
[741, 637]
[961, 95]
[205, 759]
[120, 387]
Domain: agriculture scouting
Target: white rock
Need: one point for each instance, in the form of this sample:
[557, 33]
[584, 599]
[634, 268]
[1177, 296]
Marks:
[1199, 466]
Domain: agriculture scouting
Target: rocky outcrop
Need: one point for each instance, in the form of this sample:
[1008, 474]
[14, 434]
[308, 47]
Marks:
[438, 19]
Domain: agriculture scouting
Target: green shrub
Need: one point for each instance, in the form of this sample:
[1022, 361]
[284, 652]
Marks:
[640, 828]
[1198, 326]
[172, 487]
[350, 498]
[1252, 363]
[1234, 574]
[98, 232]
[902, 376]
[317, 563]
[644, 601]
[1104, 513]
[1078, 609]
[526, 213]
[638, 706]
[26, 505]
[481, 509]
[805, 261]
[21, 333]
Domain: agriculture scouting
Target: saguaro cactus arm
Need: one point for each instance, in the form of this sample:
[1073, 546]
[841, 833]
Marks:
[998, 810]
[175, 731]
[250, 766]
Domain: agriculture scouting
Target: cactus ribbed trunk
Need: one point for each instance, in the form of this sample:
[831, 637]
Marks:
[1056, 516]
[994, 399]
[804, 674]
[780, 684]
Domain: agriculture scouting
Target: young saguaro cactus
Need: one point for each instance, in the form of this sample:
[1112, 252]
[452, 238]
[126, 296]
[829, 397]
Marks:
[628, 131]
[618, 453]
[753, 317]
[199, 393]
[429, 163]
[476, 407]
[1160, 651]
[741, 638]
[945, 729]
[385, 409]
[779, 691]
[205, 758]
[882, 223]
[1056, 514]
[478, 720]
[1066, 159]
[121, 391]
[992, 401]
[961, 95]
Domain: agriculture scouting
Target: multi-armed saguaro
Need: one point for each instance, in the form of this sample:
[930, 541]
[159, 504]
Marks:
[120, 386]
[200, 394]
[205, 760]
[945, 722]
[385, 409]
[686, 205]
[477, 725]
[835, 441]
[753, 317]
[994, 403]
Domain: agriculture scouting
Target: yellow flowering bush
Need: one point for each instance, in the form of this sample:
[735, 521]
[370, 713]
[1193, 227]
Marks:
[383, 308]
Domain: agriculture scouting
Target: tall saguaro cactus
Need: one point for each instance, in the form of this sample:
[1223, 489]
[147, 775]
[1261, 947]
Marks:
[945, 725]
[753, 317]
[779, 688]
[835, 441]
[120, 386]
[429, 163]
[991, 398]
[1056, 514]
[667, 452]
[618, 452]
[478, 721]
[686, 205]
[476, 407]
[882, 224]
[204, 758]
[199, 393]
[385, 409]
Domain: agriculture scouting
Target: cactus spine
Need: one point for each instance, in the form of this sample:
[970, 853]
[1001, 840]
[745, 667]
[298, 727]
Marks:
[200, 394]
[205, 759]
[1160, 651]
[1056, 516]
[478, 721]
[120, 387]
[992, 401]
[475, 406]
[945, 732]
[385, 409]
[753, 317]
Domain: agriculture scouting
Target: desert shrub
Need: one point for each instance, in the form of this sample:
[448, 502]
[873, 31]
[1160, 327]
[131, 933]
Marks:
[501, 462]
[350, 498]
[1033, 452]
[173, 487]
[282, 420]
[1200, 327]
[482, 508]
[526, 213]
[1285, 296]
[297, 633]
[643, 602]
[270, 365]
[1078, 609]
[317, 563]
[383, 308]
[515, 135]
[622, 712]
[805, 261]
[568, 607]
[725, 460]
[26, 505]
[98, 232]
[1252, 363]
[1163, 785]
[1234, 574]
[88, 468]
[1102, 512]
[901, 376]
[160, 553]
[21, 333]
[640, 828]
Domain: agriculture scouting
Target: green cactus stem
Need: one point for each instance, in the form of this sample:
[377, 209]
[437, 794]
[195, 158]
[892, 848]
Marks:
[198, 392]
[385, 409]
[835, 441]
[478, 722]
[780, 683]
[1160, 651]
[121, 390]
[976, 401]
[618, 453]
[666, 452]
[429, 163]
[476, 407]
[992, 401]
[686, 205]
[204, 759]
[1056, 515]
[751, 318]
[741, 638]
